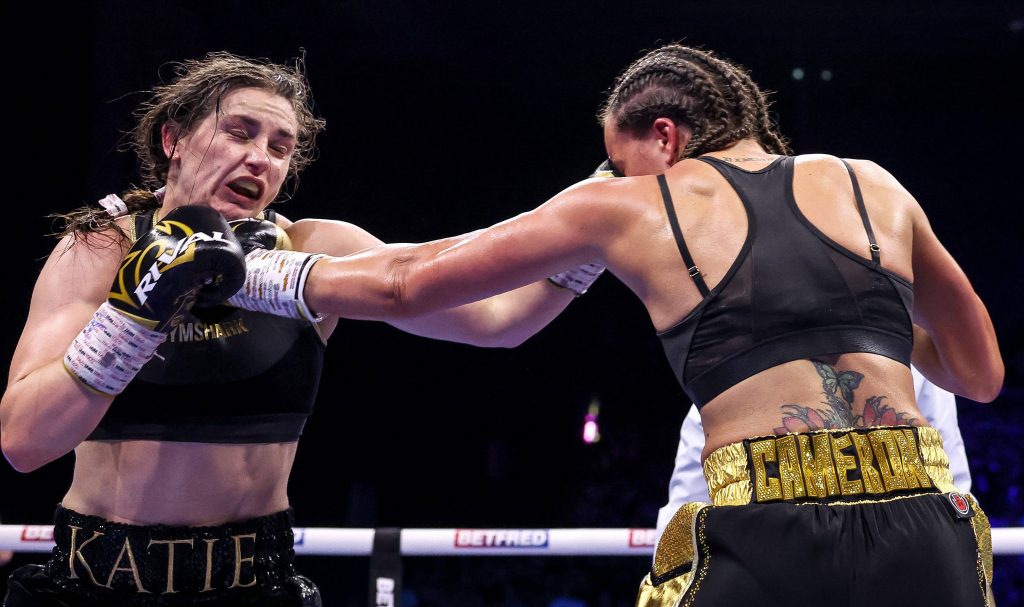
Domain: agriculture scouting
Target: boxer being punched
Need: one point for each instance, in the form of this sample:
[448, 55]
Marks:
[182, 500]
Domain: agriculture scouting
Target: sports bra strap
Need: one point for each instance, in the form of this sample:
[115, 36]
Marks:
[691, 267]
[875, 250]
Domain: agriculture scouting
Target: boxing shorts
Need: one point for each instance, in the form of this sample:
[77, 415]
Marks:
[835, 517]
[101, 563]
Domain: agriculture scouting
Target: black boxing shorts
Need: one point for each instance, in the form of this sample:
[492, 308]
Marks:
[100, 563]
[835, 517]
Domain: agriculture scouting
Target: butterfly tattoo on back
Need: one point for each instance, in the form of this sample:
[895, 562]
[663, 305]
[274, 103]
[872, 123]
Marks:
[838, 407]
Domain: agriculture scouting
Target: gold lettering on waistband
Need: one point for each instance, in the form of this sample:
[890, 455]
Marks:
[766, 489]
[913, 467]
[845, 463]
[239, 560]
[790, 475]
[132, 566]
[872, 482]
[887, 454]
[208, 586]
[819, 473]
[77, 553]
[170, 559]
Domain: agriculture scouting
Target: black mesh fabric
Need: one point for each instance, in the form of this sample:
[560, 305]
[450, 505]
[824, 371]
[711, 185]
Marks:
[791, 293]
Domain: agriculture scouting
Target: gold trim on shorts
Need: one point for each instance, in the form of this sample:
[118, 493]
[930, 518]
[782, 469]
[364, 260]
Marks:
[983, 533]
[677, 562]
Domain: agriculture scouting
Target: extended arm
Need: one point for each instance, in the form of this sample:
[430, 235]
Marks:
[394, 282]
[504, 320]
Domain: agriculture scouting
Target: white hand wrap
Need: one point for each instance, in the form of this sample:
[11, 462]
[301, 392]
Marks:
[578, 280]
[274, 284]
[110, 350]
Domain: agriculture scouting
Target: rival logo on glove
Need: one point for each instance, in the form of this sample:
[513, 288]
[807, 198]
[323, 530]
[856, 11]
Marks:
[167, 257]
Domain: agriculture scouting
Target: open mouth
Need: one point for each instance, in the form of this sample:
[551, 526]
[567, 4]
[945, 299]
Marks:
[245, 187]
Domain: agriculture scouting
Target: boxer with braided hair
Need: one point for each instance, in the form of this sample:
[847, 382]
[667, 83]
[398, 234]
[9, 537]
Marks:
[716, 99]
[791, 294]
[184, 412]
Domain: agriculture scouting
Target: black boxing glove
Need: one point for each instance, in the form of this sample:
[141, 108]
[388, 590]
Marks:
[255, 234]
[578, 280]
[275, 275]
[189, 252]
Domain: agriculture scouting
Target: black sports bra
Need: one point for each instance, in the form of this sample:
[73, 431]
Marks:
[792, 292]
[224, 375]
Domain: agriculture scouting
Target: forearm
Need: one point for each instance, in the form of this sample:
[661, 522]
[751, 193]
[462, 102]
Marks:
[503, 321]
[382, 283]
[46, 414]
[976, 374]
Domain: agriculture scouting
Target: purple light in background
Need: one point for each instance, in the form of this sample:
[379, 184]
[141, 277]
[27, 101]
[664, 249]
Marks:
[591, 432]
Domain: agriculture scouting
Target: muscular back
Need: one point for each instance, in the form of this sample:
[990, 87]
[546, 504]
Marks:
[848, 390]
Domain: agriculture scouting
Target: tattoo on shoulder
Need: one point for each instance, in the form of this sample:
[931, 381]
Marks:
[838, 409]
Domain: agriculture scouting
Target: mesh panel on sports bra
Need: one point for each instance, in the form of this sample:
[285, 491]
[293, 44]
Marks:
[792, 293]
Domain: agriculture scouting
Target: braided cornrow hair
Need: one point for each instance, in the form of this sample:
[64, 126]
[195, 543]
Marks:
[718, 100]
[194, 92]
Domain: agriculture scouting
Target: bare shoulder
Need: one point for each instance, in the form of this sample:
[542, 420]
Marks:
[603, 202]
[81, 266]
[836, 171]
[871, 174]
[329, 236]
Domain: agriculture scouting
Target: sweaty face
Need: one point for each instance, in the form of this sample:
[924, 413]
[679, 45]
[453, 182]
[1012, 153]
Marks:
[236, 159]
[633, 154]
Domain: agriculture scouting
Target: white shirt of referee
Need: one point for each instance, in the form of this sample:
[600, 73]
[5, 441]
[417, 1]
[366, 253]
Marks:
[688, 484]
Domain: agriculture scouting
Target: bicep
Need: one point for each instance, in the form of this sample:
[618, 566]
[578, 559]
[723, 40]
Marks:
[71, 286]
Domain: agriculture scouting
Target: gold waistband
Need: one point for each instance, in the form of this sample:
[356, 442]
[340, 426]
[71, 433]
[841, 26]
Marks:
[833, 465]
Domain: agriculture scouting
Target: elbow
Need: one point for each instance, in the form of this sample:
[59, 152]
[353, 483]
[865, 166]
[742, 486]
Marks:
[985, 388]
[19, 453]
[407, 294]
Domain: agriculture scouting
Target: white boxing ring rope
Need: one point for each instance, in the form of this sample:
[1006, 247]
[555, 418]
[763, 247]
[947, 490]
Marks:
[327, 541]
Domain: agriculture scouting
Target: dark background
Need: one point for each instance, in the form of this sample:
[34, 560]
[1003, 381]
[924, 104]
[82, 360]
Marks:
[444, 117]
